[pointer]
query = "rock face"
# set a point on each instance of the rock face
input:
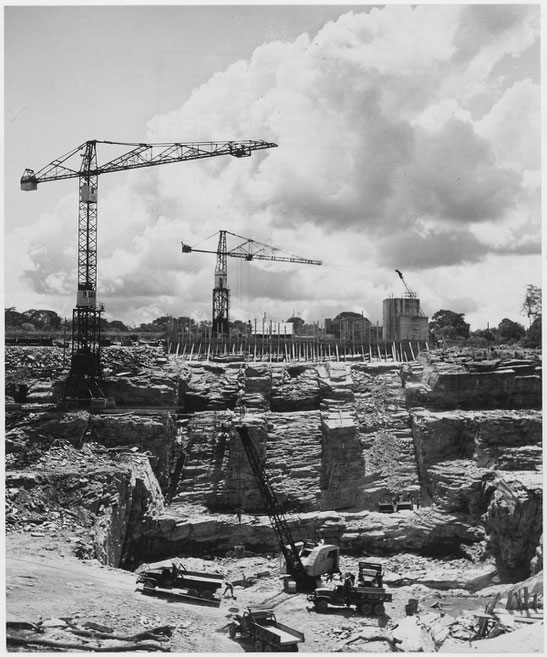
(502, 388)
(513, 522)
(425, 531)
(174, 533)
(154, 434)
(335, 438)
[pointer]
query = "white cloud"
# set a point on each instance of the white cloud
(382, 162)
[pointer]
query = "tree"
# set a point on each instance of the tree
(447, 324)
(12, 318)
(297, 324)
(116, 325)
(43, 319)
(509, 331)
(532, 303)
(533, 336)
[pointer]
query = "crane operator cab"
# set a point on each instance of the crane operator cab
(317, 558)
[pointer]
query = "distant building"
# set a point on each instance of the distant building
(404, 320)
(260, 327)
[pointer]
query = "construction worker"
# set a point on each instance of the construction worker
(229, 588)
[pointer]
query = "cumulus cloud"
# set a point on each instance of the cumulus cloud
(383, 155)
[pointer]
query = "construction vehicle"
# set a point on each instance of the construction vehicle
(196, 584)
(85, 377)
(304, 561)
(368, 597)
(267, 633)
(249, 250)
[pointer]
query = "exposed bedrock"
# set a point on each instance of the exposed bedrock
(427, 531)
(154, 434)
(176, 533)
(458, 453)
(514, 523)
(336, 439)
(499, 389)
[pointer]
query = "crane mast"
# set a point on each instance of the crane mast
(249, 250)
(221, 293)
(85, 377)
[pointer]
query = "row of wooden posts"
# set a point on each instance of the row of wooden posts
(296, 350)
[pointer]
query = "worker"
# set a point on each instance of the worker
(351, 578)
(229, 588)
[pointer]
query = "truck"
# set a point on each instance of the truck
(197, 584)
(261, 626)
(368, 597)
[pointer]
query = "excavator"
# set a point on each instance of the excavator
(304, 561)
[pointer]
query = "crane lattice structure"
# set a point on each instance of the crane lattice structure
(249, 250)
(279, 523)
(85, 376)
(410, 292)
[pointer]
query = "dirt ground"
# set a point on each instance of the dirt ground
(44, 580)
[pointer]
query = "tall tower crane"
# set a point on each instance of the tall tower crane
(85, 369)
(249, 250)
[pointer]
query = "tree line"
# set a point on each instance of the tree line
(445, 325)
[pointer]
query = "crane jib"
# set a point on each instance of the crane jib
(142, 156)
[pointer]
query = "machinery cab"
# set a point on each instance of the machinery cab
(317, 558)
(370, 574)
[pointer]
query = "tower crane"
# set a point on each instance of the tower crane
(249, 250)
(85, 375)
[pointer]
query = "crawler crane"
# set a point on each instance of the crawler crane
(249, 250)
(305, 563)
(85, 377)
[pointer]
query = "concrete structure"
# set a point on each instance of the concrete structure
(404, 320)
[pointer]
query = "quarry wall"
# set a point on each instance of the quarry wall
(337, 439)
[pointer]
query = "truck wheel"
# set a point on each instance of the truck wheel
(365, 609)
(193, 593)
(268, 648)
(322, 606)
(206, 595)
(232, 630)
(379, 609)
(258, 646)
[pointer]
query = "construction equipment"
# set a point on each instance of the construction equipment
(197, 584)
(410, 292)
(85, 377)
(249, 250)
(267, 633)
(304, 561)
(367, 597)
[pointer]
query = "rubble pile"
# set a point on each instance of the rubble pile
(67, 634)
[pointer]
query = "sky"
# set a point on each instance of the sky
(408, 138)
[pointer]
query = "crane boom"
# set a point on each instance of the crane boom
(279, 523)
(249, 250)
(143, 155)
(81, 163)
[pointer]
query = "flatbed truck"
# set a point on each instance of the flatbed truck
(268, 635)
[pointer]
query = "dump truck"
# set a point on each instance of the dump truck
(197, 584)
(368, 597)
(261, 626)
